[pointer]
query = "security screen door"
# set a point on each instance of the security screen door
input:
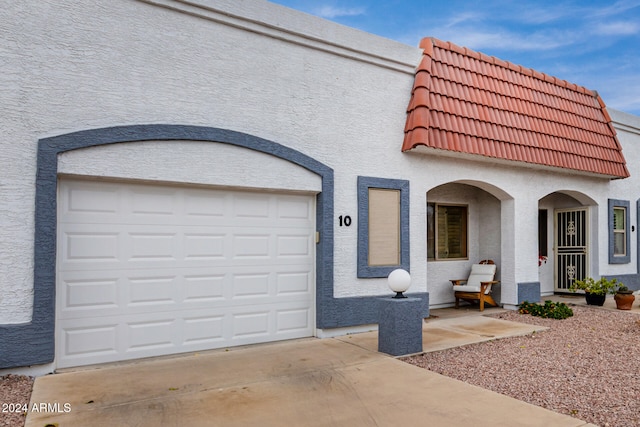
(571, 243)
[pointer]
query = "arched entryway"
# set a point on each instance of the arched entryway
(566, 240)
(464, 226)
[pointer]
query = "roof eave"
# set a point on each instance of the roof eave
(422, 148)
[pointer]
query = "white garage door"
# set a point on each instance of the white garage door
(147, 270)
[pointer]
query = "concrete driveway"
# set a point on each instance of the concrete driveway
(309, 382)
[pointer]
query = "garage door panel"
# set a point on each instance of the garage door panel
(250, 325)
(294, 211)
(80, 342)
(252, 206)
(88, 201)
(90, 246)
(144, 270)
(293, 320)
(251, 245)
(251, 285)
(153, 201)
(109, 292)
(89, 294)
(153, 291)
(153, 246)
(149, 335)
(202, 205)
(204, 331)
(294, 245)
(150, 245)
(203, 246)
(294, 283)
(203, 288)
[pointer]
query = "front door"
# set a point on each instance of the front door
(571, 244)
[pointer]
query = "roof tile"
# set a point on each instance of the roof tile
(469, 102)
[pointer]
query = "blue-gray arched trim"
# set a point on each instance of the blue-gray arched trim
(33, 343)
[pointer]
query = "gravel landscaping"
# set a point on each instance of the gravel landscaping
(15, 392)
(586, 366)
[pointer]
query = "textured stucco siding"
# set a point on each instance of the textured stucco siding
(628, 131)
(333, 94)
(192, 162)
(72, 66)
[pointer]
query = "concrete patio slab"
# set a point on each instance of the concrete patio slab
(308, 382)
(454, 329)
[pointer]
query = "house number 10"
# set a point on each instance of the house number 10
(344, 220)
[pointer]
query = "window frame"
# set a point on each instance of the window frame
(613, 257)
(436, 205)
(364, 184)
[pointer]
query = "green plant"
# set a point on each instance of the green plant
(622, 289)
(601, 286)
(550, 309)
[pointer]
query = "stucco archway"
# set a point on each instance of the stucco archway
(559, 213)
(484, 205)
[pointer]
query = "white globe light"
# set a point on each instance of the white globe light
(399, 281)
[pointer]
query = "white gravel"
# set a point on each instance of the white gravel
(585, 366)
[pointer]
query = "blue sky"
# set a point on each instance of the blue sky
(595, 44)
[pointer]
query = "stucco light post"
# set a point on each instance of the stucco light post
(400, 319)
(399, 281)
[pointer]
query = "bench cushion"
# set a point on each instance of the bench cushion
(479, 273)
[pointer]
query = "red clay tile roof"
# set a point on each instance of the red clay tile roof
(468, 102)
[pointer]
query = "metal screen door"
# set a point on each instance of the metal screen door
(571, 244)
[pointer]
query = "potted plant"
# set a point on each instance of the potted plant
(624, 297)
(595, 291)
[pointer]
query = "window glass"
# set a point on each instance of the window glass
(447, 233)
(431, 231)
(619, 231)
(619, 236)
(542, 233)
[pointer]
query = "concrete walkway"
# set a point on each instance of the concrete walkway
(310, 382)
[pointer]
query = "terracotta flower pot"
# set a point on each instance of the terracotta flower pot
(624, 301)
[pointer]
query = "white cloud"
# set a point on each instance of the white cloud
(462, 17)
(616, 8)
(503, 39)
(330, 12)
(622, 93)
(620, 28)
(542, 15)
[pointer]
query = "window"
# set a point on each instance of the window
(619, 232)
(447, 231)
(383, 226)
(619, 238)
(542, 234)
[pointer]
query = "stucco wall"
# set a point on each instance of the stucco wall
(80, 66)
(628, 130)
(332, 93)
(192, 162)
